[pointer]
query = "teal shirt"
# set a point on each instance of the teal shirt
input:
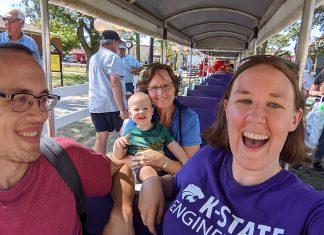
(155, 139)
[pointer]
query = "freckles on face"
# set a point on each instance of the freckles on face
(260, 114)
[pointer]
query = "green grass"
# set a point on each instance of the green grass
(84, 133)
(69, 78)
(72, 75)
(77, 68)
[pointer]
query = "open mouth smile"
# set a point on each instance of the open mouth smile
(254, 140)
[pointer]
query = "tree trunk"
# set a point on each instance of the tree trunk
(262, 48)
(89, 48)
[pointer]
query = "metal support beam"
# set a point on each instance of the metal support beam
(229, 37)
(237, 61)
(304, 37)
(244, 53)
(151, 50)
(200, 9)
(223, 23)
(190, 63)
(47, 60)
(164, 48)
(180, 57)
(221, 32)
(255, 36)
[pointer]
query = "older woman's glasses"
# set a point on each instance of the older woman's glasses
(21, 102)
(290, 64)
(164, 88)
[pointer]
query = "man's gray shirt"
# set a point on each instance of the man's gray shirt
(103, 64)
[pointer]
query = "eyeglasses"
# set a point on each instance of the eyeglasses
(21, 102)
(11, 20)
(290, 64)
(164, 88)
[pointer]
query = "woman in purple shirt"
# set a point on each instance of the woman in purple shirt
(236, 184)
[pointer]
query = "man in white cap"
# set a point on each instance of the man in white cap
(131, 67)
(14, 21)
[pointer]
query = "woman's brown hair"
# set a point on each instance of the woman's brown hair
(151, 70)
(294, 150)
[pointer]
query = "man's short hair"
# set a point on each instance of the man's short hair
(15, 13)
(108, 36)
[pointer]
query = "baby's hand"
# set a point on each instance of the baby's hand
(123, 141)
(120, 147)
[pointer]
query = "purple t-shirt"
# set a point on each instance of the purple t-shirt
(209, 201)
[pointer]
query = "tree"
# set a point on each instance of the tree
(316, 48)
(319, 17)
(279, 41)
(74, 27)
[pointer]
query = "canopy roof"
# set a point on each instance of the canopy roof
(219, 25)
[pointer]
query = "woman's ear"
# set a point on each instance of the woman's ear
(225, 105)
(296, 119)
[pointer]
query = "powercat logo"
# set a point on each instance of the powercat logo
(192, 192)
(210, 216)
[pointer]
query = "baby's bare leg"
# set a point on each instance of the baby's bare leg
(147, 172)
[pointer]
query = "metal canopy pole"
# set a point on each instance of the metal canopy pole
(190, 63)
(151, 50)
(180, 57)
(255, 36)
(304, 38)
(244, 54)
(164, 51)
(47, 60)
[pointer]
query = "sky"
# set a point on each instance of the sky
(6, 4)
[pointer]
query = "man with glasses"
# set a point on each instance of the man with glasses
(14, 22)
(33, 197)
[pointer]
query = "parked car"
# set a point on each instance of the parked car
(68, 59)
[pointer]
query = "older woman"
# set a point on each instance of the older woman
(160, 82)
(236, 185)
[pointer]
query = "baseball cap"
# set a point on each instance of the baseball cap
(122, 45)
(110, 35)
(15, 13)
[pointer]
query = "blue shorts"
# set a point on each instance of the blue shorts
(106, 121)
(129, 87)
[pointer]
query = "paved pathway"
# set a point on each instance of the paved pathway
(71, 104)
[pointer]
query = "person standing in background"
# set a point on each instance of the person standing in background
(107, 103)
(317, 89)
(131, 67)
(14, 21)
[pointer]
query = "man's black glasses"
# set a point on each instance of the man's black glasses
(21, 102)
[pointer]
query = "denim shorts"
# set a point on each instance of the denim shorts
(107, 121)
